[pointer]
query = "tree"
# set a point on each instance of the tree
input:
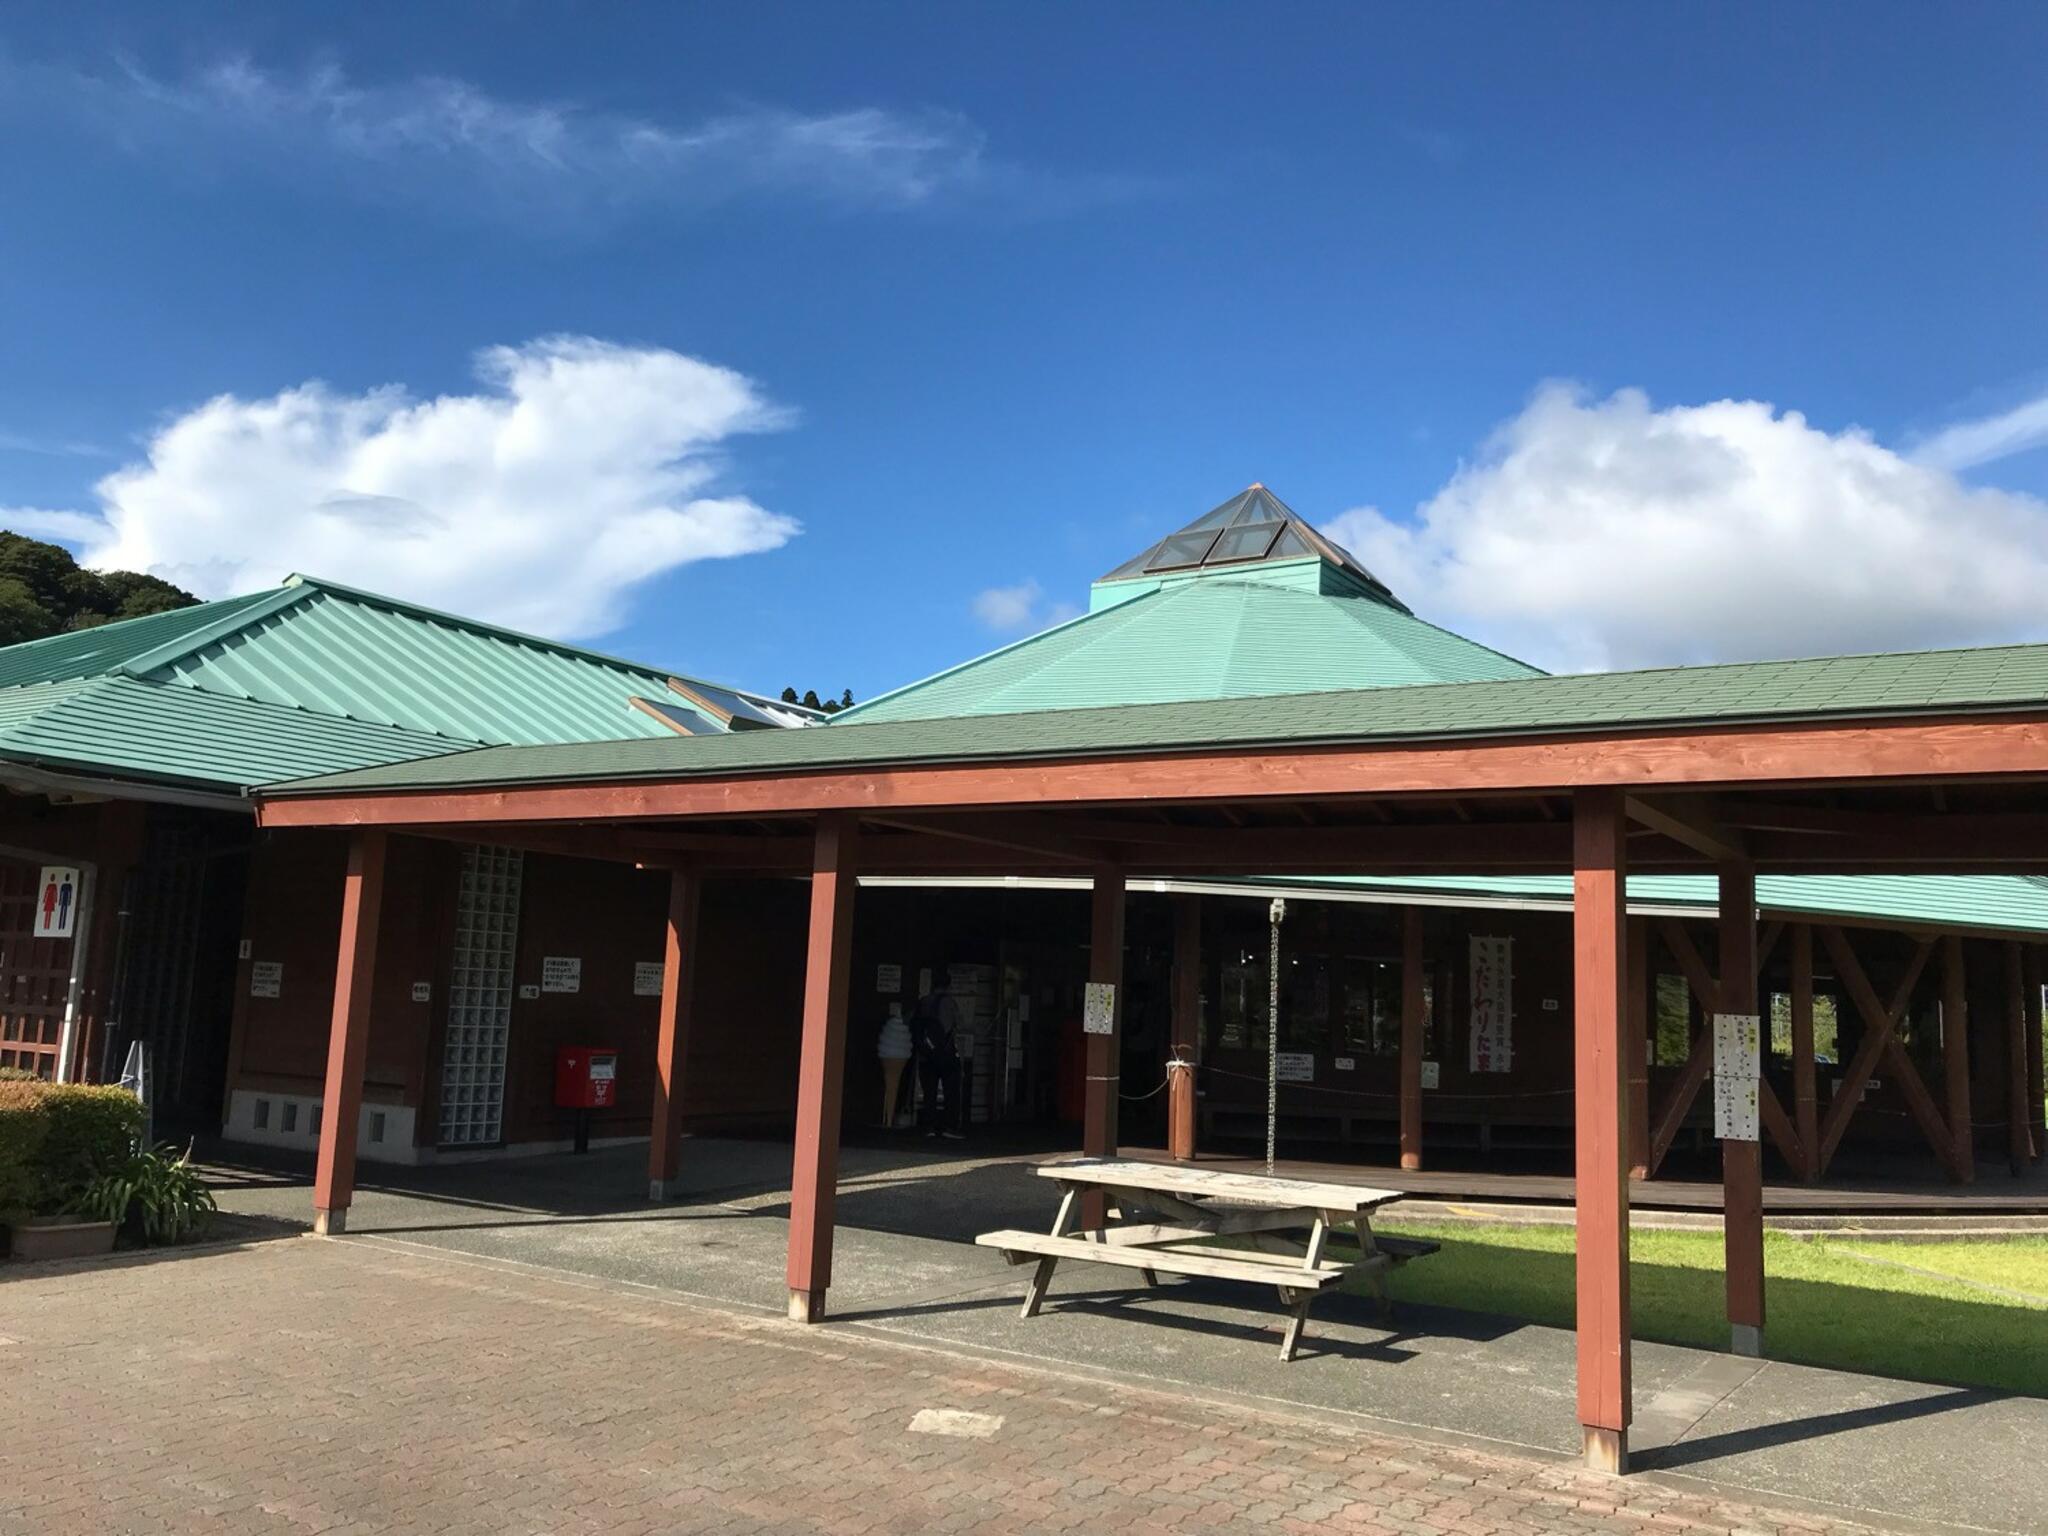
(809, 699)
(43, 591)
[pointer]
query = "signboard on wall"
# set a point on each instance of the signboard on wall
(889, 978)
(647, 978)
(1098, 1008)
(1738, 1066)
(1432, 1074)
(561, 973)
(1294, 1066)
(1493, 1003)
(266, 978)
(57, 901)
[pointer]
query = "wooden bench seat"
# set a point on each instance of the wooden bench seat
(1208, 1263)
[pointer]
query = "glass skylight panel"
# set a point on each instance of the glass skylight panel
(1183, 549)
(1249, 542)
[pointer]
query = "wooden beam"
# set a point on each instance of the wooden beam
(2037, 1048)
(1742, 1176)
(1688, 820)
(1878, 1023)
(1412, 1008)
(1600, 1071)
(1955, 1056)
(1805, 1102)
(1859, 752)
(1641, 981)
(672, 1032)
(2018, 1113)
(1103, 1051)
(1044, 840)
(348, 1036)
(821, 1065)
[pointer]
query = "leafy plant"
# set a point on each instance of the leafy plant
(164, 1191)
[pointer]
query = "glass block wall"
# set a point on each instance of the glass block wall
(480, 998)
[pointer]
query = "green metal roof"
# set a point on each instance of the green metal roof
(2013, 903)
(1216, 638)
(1827, 688)
(126, 727)
(344, 679)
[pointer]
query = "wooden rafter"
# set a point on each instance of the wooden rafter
(1689, 822)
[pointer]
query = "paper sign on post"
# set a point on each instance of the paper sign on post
(1098, 1008)
(1738, 1067)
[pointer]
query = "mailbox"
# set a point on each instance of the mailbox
(586, 1077)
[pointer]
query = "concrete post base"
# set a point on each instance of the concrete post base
(1606, 1449)
(662, 1189)
(806, 1306)
(1746, 1339)
(330, 1223)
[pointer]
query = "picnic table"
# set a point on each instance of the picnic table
(1213, 1224)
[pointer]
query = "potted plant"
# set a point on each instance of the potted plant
(56, 1139)
(156, 1196)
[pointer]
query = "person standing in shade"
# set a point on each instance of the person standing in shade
(894, 1051)
(933, 1028)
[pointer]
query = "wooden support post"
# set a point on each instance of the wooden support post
(1640, 983)
(1742, 1176)
(348, 1038)
(2037, 1091)
(821, 1068)
(1600, 1070)
(1955, 1058)
(2019, 1114)
(672, 1032)
(1186, 1045)
(1105, 965)
(1805, 1100)
(1411, 1037)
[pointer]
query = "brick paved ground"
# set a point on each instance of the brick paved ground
(303, 1385)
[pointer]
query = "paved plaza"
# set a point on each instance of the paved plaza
(531, 1347)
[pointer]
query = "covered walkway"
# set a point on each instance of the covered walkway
(1928, 763)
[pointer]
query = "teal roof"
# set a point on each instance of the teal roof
(1908, 684)
(2012, 903)
(1251, 530)
(1216, 638)
(342, 678)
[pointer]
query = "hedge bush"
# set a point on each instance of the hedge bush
(56, 1138)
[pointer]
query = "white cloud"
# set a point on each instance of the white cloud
(1967, 444)
(579, 470)
(453, 142)
(1011, 610)
(1596, 533)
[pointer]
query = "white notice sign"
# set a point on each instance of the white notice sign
(889, 978)
(56, 902)
(1493, 1003)
(1098, 1008)
(1738, 1064)
(561, 973)
(1432, 1074)
(647, 978)
(423, 991)
(1294, 1067)
(266, 978)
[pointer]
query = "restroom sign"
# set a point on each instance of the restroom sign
(57, 902)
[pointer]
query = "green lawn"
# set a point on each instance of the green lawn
(1828, 1304)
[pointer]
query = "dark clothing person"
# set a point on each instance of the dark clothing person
(932, 1029)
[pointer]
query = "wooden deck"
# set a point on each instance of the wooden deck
(1995, 1191)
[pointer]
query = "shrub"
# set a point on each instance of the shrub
(22, 1128)
(56, 1138)
(18, 1075)
(160, 1190)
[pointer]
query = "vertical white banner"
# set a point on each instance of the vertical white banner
(1493, 1003)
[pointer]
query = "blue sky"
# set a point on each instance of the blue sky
(1613, 335)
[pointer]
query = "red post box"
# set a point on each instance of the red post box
(586, 1077)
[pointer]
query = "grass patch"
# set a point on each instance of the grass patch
(1828, 1304)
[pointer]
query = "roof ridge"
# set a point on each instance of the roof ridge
(261, 606)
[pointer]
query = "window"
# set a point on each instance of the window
(1671, 1028)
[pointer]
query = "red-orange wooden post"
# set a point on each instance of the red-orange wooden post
(1742, 1162)
(1600, 1071)
(821, 1065)
(1805, 1096)
(2019, 1114)
(1411, 1037)
(348, 1038)
(1639, 983)
(1955, 1057)
(672, 1032)
(1105, 966)
(1187, 1027)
